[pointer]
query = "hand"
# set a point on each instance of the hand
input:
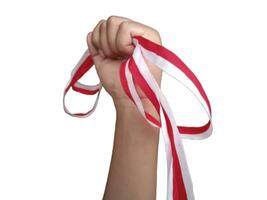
(110, 44)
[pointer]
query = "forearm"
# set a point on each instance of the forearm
(133, 168)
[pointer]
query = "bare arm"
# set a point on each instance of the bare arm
(133, 168)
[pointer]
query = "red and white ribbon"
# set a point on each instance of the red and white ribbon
(134, 71)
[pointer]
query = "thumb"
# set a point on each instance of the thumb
(97, 58)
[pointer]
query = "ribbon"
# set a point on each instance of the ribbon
(135, 71)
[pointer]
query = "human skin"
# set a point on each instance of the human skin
(133, 167)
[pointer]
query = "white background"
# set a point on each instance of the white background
(46, 154)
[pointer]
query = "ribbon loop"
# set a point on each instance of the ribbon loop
(84, 64)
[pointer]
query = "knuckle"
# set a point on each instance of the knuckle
(112, 20)
(98, 26)
(124, 25)
(102, 26)
(101, 21)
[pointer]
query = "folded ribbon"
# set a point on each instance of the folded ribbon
(135, 68)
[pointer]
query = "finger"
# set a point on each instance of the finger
(104, 41)
(113, 23)
(91, 47)
(96, 35)
(97, 58)
(129, 29)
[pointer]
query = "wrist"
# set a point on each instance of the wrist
(124, 106)
(129, 119)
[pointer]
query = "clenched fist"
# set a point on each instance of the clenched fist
(110, 43)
